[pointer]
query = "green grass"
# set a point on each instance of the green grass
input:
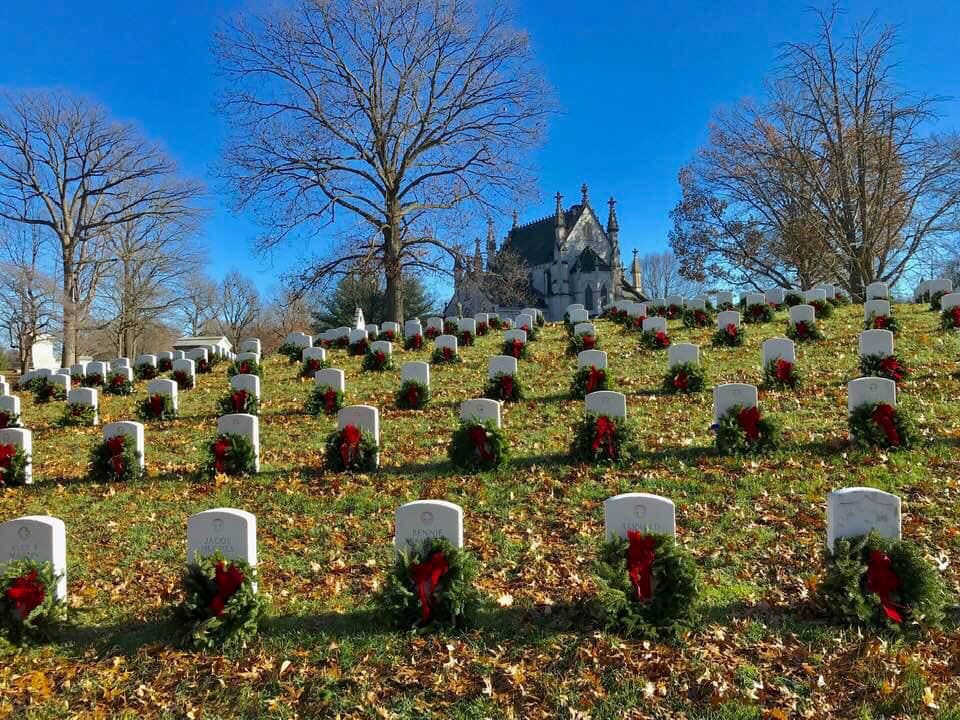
(756, 527)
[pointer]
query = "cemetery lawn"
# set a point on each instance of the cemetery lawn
(756, 527)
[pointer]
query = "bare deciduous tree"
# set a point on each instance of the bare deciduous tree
(396, 111)
(199, 302)
(65, 165)
(239, 306)
(661, 276)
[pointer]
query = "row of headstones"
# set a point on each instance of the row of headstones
(233, 533)
(928, 288)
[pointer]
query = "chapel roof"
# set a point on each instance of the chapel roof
(534, 240)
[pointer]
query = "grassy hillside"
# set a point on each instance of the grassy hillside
(755, 526)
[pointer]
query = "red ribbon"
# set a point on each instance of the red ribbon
(893, 368)
(115, 445)
(389, 335)
(506, 386)
(640, 557)
(731, 330)
(681, 381)
(6, 457)
(882, 580)
(117, 380)
(413, 396)
(426, 576)
(883, 416)
(26, 593)
(801, 329)
(416, 342)
(638, 321)
(516, 348)
(478, 436)
(329, 400)
(220, 449)
(749, 419)
(955, 315)
(379, 359)
(228, 581)
(349, 444)
(605, 435)
(4, 419)
(589, 341)
(880, 322)
(784, 371)
(594, 378)
(313, 364)
(448, 353)
(245, 367)
(156, 405)
(239, 400)
(662, 339)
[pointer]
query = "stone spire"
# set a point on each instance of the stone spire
(636, 272)
(516, 219)
(559, 219)
(491, 244)
(584, 195)
(612, 225)
(477, 258)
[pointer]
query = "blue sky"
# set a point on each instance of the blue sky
(637, 82)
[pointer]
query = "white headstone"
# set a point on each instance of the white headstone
(391, 327)
(480, 410)
(592, 358)
(803, 313)
(775, 296)
(728, 317)
(372, 330)
(231, 532)
(10, 404)
(162, 386)
(778, 349)
(606, 402)
(501, 365)
(584, 328)
(255, 357)
(358, 335)
(383, 346)
(330, 377)
(417, 371)
(858, 510)
(365, 417)
(436, 323)
(949, 302)
(730, 395)
(62, 380)
(756, 299)
(242, 424)
(251, 345)
(676, 300)
(98, 368)
(481, 318)
(302, 340)
(467, 325)
(412, 328)
(250, 383)
(178, 355)
(198, 354)
(426, 520)
(696, 304)
(185, 365)
(654, 325)
(132, 430)
(20, 438)
(639, 511)
(148, 360)
(873, 308)
(876, 342)
(944, 285)
(40, 538)
(574, 306)
(829, 288)
(316, 353)
(878, 290)
(815, 295)
(511, 335)
(724, 297)
(681, 353)
(85, 396)
(78, 370)
(870, 390)
(576, 316)
(446, 341)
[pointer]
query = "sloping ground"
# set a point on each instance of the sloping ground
(755, 526)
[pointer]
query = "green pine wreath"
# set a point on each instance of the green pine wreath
(839, 299)
(654, 340)
(32, 384)
(729, 336)
(589, 379)
(44, 391)
(674, 311)
(115, 460)
(685, 377)
(615, 446)
(791, 299)
(697, 318)
(822, 309)
(656, 310)
(732, 437)
(847, 593)
(412, 395)
(377, 361)
(721, 307)
(670, 608)
(445, 356)
(9, 419)
(950, 319)
(158, 406)
(310, 365)
(184, 380)
(29, 609)
(533, 333)
(884, 366)
(229, 454)
(413, 342)
(145, 371)
(220, 607)
(465, 338)
(293, 353)
(882, 322)
(13, 466)
(118, 384)
(244, 367)
(478, 446)
(782, 375)
(361, 457)
(803, 332)
(92, 380)
(935, 300)
(164, 365)
(452, 601)
(78, 415)
(578, 343)
(504, 387)
(515, 348)
(758, 313)
(867, 433)
(324, 400)
(238, 401)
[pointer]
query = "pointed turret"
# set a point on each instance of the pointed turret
(584, 195)
(477, 258)
(558, 219)
(613, 232)
(612, 224)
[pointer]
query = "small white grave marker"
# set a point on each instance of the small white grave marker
(242, 424)
(876, 342)
(416, 371)
(606, 402)
(162, 386)
(731, 395)
(480, 410)
(131, 430)
(501, 365)
(592, 358)
(858, 510)
(870, 390)
(330, 377)
(681, 353)
(778, 349)
(23, 439)
(40, 538)
(639, 511)
(425, 520)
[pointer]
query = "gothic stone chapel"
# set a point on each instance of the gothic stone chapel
(570, 257)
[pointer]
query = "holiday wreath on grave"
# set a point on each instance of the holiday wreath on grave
(359, 347)
(674, 311)
(13, 465)
(156, 406)
(310, 365)
(183, 379)
(44, 391)
(145, 371)
(758, 313)
(78, 415)
(950, 319)
(696, 318)
(351, 448)
(687, 377)
(873, 580)
(29, 610)
(449, 327)
(728, 336)
(822, 308)
(533, 332)
(589, 379)
(293, 353)
(885, 366)
(432, 332)
(791, 299)
(477, 445)
(445, 355)
(465, 338)
(9, 419)
(412, 395)
(432, 583)
(656, 310)
(781, 374)
(802, 331)
(324, 399)
(229, 454)
(388, 335)
(239, 401)
(482, 329)
(515, 348)
(742, 430)
(92, 380)
(247, 366)
(115, 460)
(220, 606)
(413, 342)
(878, 321)
(839, 299)
(164, 365)
(654, 339)
(377, 361)
(602, 438)
(578, 343)
(205, 366)
(646, 585)
(881, 425)
(504, 387)
(118, 384)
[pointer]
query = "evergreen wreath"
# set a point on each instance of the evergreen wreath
(781, 374)
(656, 310)
(412, 395)
(183, 379)
(935, 300)
(245, 367)
(589, 379)
(32, 384)
(884, 366)
(515, 348)
(115, 460)
(758, 313)
(449, 327)
(578, 343)
(324, 399)
(804, 332)
(432, 332)
(29, 610)
(822, 308)
(157, 406)
(239, 401)
(431, 583)
(293, 353)
(504, 387)
(674, 311)
(742, 431)
(950, 319)
(879, 425)
(388, 335)
(533, 333)
(791, 299)
(729, 336)
(654, 339)
(445, 355)
(359, 347)
(495, 323)
(601, 438)
(310, 365)
(721, 307)
(145, 371)
(164, 365)
(635, 323)
(13, 466)
(478, 446)
(883, 582)
(118, 384)
(229, 454)
(78, 415)
(882, 322)
(45, 391)
(220, 607)
(377, 361)
(696, 318)
(9, 419)
(340, 342)
(685, 377)
(413, 342)
(839, 299)
(465, 338)
(351, 449)
(482, 329)
(204, 366)
(647, 585)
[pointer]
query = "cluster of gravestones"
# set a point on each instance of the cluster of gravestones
(233, 533)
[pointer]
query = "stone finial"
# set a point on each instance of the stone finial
(559, 211)
(612, 224)
(516, 218)
(584, 195)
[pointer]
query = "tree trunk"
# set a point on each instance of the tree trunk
(393, 271)
(69, 313)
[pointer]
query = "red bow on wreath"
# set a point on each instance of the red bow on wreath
(516, 347)
(882, 580)
(749, 419)
(605, 436)
(115, 446)
(784, 371)
(640, 557)
(228, 581)
(589, 341)
(426, 576)
(6, 455)
(883, 415)
(413, 395)
(379, 358)
(4, 419)
(478, 436)
(681, 381)
(594, 378)
(893, 367)
(239, 400)
(880, 322)
(955, 315)
(244, 368)
(662, 339)
(416, 342)
(329, 400)
(638, 321)
(26, 593)
(220, 449)
(313, 364)
(349, 444)
(506, 386)
(731, 330)
(156, 405)
(117, 380)
(801, 329)
(448, 353)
